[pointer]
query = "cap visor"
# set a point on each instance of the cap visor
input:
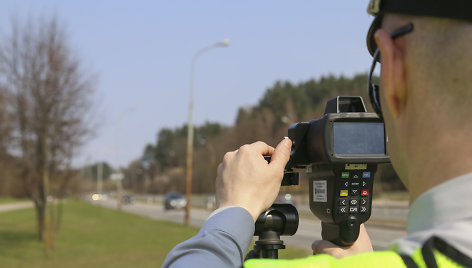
(371, 44)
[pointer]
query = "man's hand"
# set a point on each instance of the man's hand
(362, 245)
(245, 178)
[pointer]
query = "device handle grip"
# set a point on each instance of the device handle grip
(343, 234)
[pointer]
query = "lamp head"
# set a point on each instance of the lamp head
(224, 42)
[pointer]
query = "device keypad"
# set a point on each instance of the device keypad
(354, 202)
(354, 192)
(343, 201)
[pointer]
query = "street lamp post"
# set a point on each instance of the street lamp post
(100, 179)
(100, 170)
(188, 186)
(119, 176)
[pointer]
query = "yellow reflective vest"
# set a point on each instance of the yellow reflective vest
(434, 253)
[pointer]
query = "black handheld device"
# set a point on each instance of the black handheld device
(339, 153)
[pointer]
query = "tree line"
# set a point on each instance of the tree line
(161, 168)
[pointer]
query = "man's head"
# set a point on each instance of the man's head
(426, 83)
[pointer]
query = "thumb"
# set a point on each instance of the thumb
(281, 153)
(326, 247)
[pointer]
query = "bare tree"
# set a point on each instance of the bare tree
(50, 97)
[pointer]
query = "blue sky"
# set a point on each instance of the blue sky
(141, 51)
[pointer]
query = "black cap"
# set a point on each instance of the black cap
(453, 9)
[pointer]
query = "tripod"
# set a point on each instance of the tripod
(279, 219)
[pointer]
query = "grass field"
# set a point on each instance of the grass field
(94, 237)
(6, 200)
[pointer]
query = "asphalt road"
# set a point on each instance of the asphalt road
(308, 230)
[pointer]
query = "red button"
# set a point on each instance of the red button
(365, 192)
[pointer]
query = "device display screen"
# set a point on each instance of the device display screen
(359, 138)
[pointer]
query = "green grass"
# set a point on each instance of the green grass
(6, 200)
(94, 237)
(90, 236)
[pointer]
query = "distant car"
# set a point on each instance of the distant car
(97, 197)
(174, 201)
(127, 199)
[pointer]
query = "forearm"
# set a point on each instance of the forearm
(222, 242)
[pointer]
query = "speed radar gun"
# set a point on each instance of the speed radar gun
(339, 154)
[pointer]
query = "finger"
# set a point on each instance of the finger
(325, 247)
(363, 232)
(259, 147)
(281, 153)
(219, 170)
(227, 157)
(364, 239)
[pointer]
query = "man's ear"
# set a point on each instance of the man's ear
(393, 72)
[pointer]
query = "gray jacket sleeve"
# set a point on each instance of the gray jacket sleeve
(222, 242)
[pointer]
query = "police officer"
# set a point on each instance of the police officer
(425, 98)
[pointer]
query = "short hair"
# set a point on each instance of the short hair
(440, 57)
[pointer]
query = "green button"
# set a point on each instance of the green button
(345, 175)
